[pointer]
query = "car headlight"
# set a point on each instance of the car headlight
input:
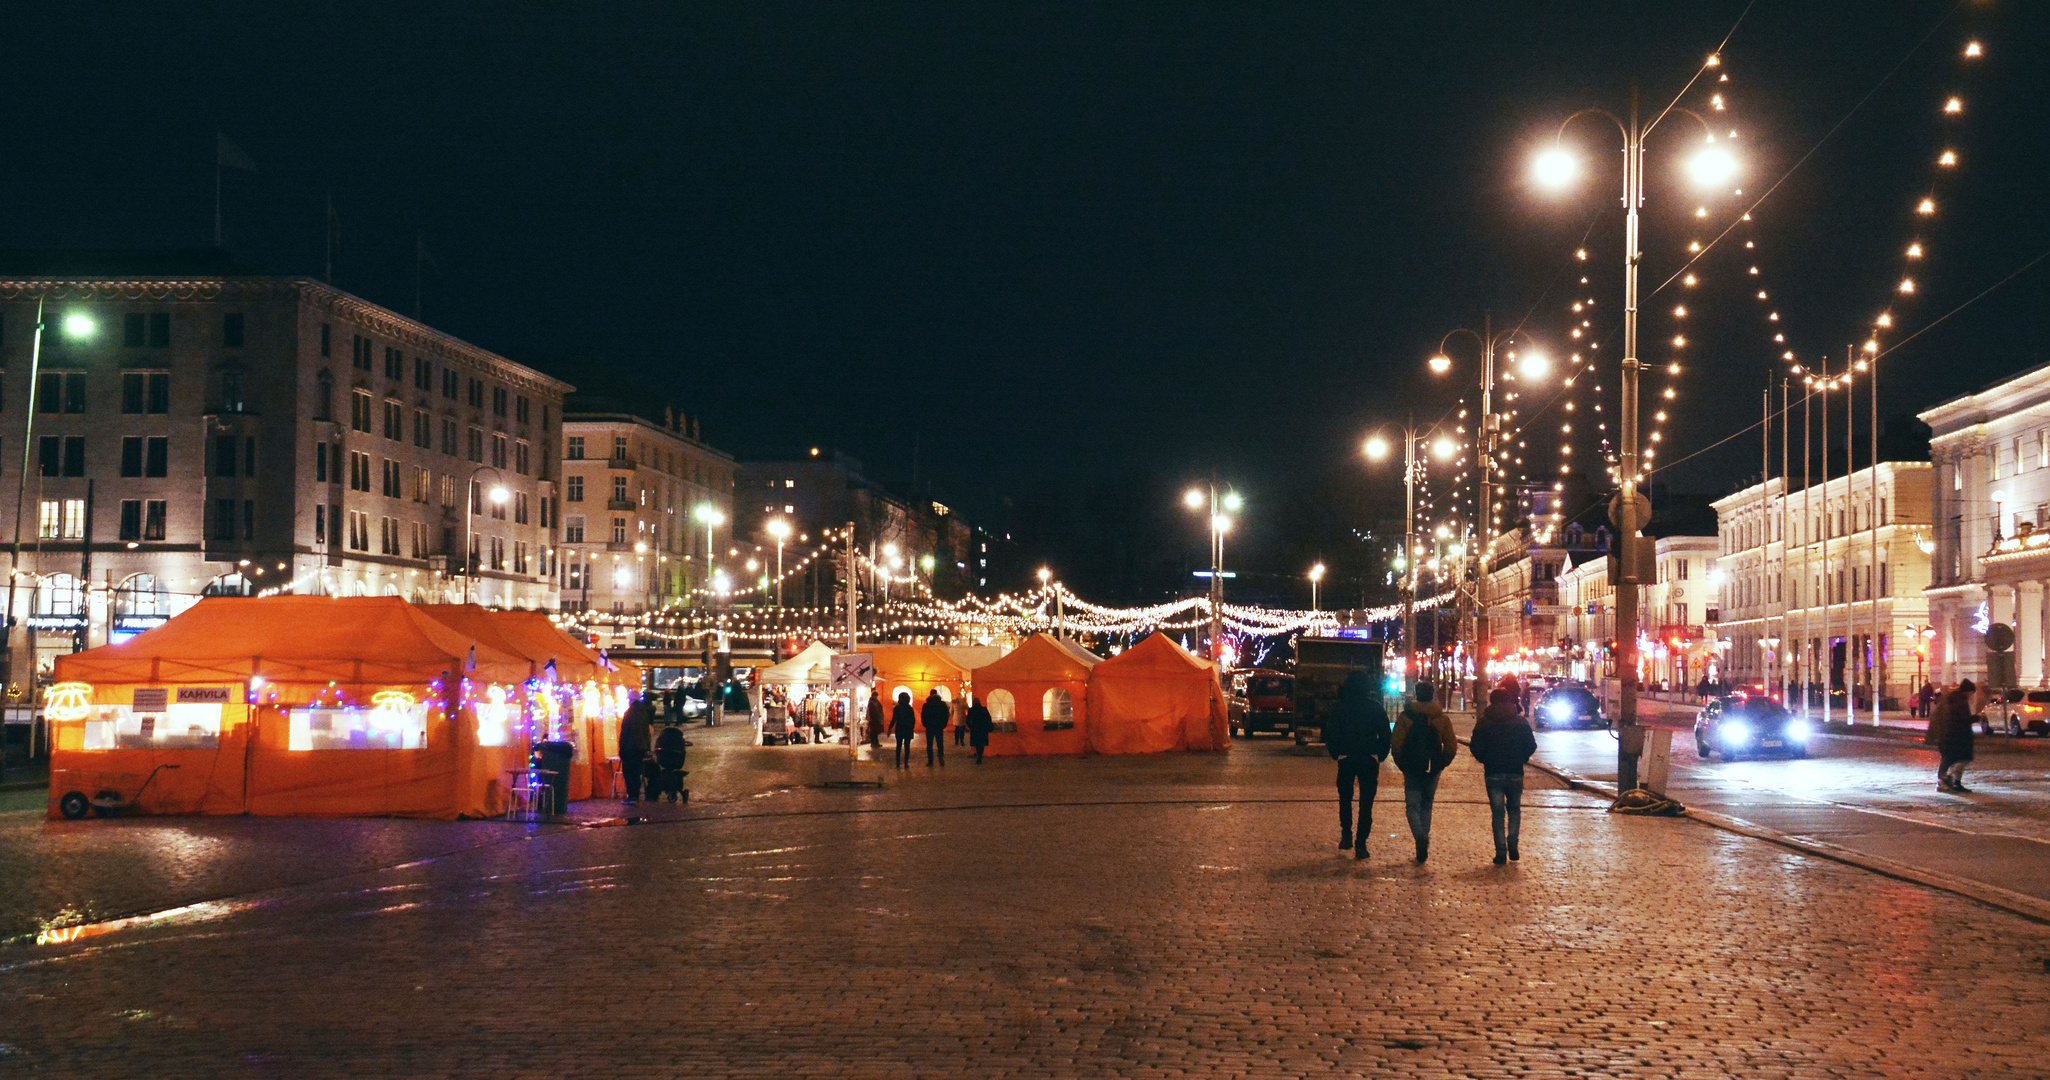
(1800, 730)
(1559, 710)
(1736, 733)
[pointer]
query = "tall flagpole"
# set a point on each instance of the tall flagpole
(1786, 537)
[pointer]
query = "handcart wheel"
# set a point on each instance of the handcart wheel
(73, 805)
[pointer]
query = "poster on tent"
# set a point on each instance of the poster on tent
(854, 671)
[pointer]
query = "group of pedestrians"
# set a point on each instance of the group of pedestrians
(932, 716)
(650, 762)
(1420, 741)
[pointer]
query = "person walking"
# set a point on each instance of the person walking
(1356, 736)
(873, 721)
(1503, 742)
(1950, 731)
(934, 714)
(904, 725)
(979, 725)
(960, 724)
(636, 742)
(1924, 698)
(1422, 745)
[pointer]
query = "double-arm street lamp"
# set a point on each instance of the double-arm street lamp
(1532, 365)
(473, 504)
(1557, 168)
(1221, 505)
(711, 517)
(1377, 449)
(780, 529)
(1316, 575)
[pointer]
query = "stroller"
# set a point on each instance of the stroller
(669, 772)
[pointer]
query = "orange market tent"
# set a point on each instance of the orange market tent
(916, 669)
(561, 668)
(1044, 680)
(293, 705)
(1153, 697)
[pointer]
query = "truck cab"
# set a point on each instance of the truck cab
(1262, 700)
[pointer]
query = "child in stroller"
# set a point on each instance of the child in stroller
(669, 771)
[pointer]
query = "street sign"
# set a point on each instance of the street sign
(853, 671)
(1206, 573)
(2000, 637)
(1629, 519)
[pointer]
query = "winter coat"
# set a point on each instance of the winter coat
(934, 714)
(669, 751)
(1428, 715)
(636, 731)
(903, 720)
(1502, 741)
(980, 724)
(1358, 725)
(1950, 726)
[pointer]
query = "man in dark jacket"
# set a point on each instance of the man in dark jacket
(934, 715)
(1356, 735)
(1502, 742)
(1950, 731)
(979, 724)
(1422, 745)
(874, 722)
(904, 725)
(636, 739)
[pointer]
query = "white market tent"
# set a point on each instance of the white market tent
(812, 666)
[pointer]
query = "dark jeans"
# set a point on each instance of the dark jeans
(978, 753)
(1950, 767)
(1418, 792)
(903, 750)
(630, 771)
(1362, 771)
(1505, 803)
(961, 735)
(935, 743)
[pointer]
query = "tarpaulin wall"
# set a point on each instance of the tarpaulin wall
(1027, 674)
(1156, 697)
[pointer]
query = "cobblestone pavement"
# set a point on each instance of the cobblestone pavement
(1102, 917)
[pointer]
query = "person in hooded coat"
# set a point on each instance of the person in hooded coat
(1503, 742)
(934, 714)
(874, 723)
(904, 725)
(979, 724)
(636, 740)
(1950, 731)
(1356, 736)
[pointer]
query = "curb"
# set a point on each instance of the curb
(2028, 907)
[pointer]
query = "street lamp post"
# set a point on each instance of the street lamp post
(711, 518)
(1484, 467)
(1316, 575)
(1221, 507)
(1377, 448)
(77, 326)
(471, 506)
(780, 529)
(1629, 512)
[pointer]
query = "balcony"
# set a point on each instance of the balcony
(621, 462)
(626, 505)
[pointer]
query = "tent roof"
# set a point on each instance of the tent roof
(971, 656)
(915, 663)
(532, 635)
(1156, 657)
(1043, 658)
(799, 668)
(294, 639)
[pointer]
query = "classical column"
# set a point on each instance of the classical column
(2028, 634)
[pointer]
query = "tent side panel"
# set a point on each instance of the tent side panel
(350, 783)
(1031, 738)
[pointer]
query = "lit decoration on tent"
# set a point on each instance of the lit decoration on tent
(68, 701)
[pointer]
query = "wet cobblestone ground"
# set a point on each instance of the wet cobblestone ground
(1101, 917)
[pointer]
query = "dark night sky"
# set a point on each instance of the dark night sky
(1090, 251)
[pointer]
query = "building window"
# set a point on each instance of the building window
(520, 459)
(619, 448)
(394, 364)
(423, 429)
(60, 392)
(393, 484)
(576, 489)
(359, 471)
(320, 524)
(574, 451)
(231, 330)
(394, 421)
(131, 517)
(573, 529)
(519, 556)
(520, 409)
(448, 437)
(154, 513)
(420, 546)
(498, 508)
(324, 396)
(359, 353)
(498, 458)
(359, 411)
(519, 508)
(619, 530)
(131, 458)
(423, 374)
(225, 455)
(498, 400)
(327, 339)
(143, 392)
(223, 519)
(423, 485)
(359, 530)
(619, 489)
(476, 394)
(498, 553)
(156, 454)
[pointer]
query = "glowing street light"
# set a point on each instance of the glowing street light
(780, 529)
(1443, 449)
(711, 517)
(79, 326)
(1555, 168)
(1376, 448)
(1222, 505)
(1712, 167)
(1316, 576)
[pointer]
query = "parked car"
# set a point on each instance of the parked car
(2031, 715)
(1262, 700)
(1745, 724)
(1567, 705)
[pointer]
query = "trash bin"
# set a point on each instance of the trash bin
(555, 756)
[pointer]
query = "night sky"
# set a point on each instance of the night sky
(1062, 260)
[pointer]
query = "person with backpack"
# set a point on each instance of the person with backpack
(1423, 744)
(934, 715)
(1503, 742)
(904, 725)
(1356, 736)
